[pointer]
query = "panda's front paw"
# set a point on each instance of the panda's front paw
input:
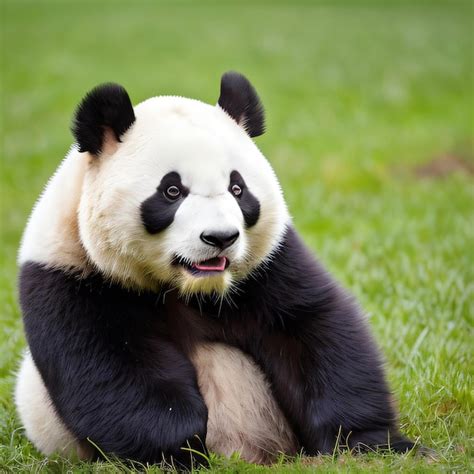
(186, 443)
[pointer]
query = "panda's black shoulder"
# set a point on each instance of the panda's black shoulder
(290, 285)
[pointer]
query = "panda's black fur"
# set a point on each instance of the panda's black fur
(107, 105)
(140, 415)
(240, 100)
(302, 329)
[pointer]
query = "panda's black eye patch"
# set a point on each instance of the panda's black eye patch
(248, 203)
(157, 212)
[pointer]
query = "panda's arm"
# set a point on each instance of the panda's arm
(318, 354)
(112, 375)
(330, 385)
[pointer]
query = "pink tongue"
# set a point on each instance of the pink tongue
(216, 264)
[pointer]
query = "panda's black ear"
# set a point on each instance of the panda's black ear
(105, 108)
(240, 100)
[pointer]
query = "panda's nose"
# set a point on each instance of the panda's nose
(220, 239)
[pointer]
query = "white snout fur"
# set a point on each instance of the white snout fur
(200, 214)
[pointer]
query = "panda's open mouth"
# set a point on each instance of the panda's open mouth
(205, 267)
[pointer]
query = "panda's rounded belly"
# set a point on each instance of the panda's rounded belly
(243, 415)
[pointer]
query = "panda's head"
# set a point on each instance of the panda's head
(175, 190)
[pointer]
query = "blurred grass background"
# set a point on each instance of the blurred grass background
(370, 129)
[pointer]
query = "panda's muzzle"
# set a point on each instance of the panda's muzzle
(219, 240)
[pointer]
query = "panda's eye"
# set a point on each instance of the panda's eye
(172, 192)
(236, 190)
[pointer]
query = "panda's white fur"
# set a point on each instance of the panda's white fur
(88, 217)
(243, 415)
(52, 233)
(203, 144)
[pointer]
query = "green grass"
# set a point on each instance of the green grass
(358, 96)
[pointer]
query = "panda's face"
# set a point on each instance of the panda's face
(186, 198)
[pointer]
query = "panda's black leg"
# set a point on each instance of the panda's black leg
(113, 376)
(332, 396)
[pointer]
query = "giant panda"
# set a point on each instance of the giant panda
(171, 308)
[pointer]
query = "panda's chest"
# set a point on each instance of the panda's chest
(187, 326)
(198, 322)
